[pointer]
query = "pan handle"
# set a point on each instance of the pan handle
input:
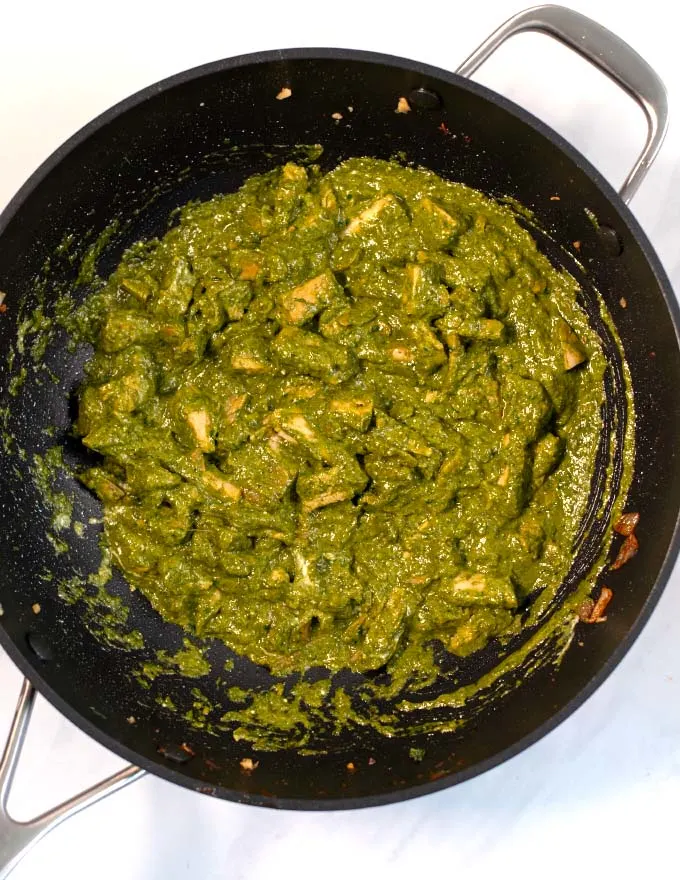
(609, 54)
(17, 838)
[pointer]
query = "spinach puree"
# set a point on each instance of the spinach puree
(342, 417)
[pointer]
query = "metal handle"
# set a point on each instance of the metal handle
(609, 54)
(17, 838)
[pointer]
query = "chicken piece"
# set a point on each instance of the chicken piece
(573, 352)
(249, 271)
(547, 455)
(176, 290)
(233, 406)
(313, 355)
(264, 473)
(233, 296)
(246, 364)
(324, 499)
(306, 300)
(126, 394)
(140, 289)
(368, 215)
(220, 486)
(379, 632)
(355, 410)
(200, 424)
(424, 296)
(470, 588)
(101, 483)
(453, 325)
(245, 352)
(436, 227)
(145, 475)
(336, 476)
(123, 328)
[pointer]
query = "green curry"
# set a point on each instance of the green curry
(342, 417)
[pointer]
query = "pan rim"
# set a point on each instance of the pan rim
(165, 771)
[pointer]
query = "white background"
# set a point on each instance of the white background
(599, 796)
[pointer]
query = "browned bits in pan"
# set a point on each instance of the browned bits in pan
(593, 612)
(603, 600)
(187, 748)
(284, 93)
(585, 610)
(626, 551)
(554, 198)
(577, 245)
(248, 765)
(351, 767)
(623, 302)
(403, 106)
(625, 525)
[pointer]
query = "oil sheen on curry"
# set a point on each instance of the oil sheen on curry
(343, 418)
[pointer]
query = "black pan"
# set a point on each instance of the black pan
(203, 132)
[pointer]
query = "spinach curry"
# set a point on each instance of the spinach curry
(342, 418)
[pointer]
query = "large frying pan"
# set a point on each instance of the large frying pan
(166, 145)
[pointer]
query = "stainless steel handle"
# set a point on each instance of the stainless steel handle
(609, 54)
(17, 838)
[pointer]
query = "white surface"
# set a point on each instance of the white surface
(600, 795)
